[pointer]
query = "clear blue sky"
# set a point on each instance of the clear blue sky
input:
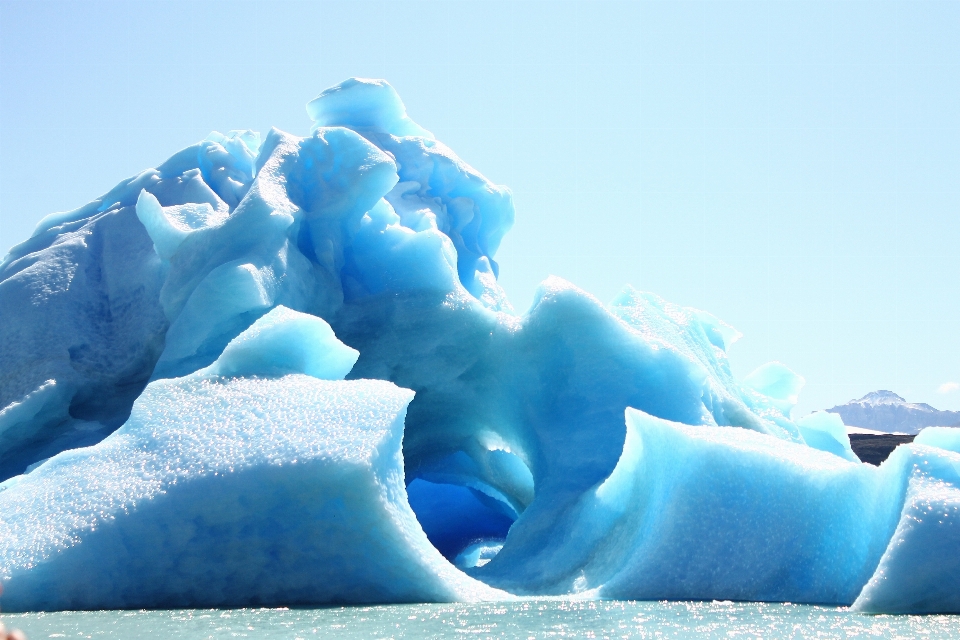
(791, 167)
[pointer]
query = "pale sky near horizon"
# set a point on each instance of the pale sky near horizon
(791, 167)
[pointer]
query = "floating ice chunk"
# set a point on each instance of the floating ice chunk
(943, 437)
(920, 570)
(826, 431)
(285, 341)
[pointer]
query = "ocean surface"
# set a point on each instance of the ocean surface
(516, 619)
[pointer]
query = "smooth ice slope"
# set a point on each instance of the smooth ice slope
(699, 513)
(943, 437)
(920, 570)
(231, 491)
(709, 513)
(730, 514)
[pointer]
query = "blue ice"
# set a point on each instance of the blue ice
(200, 497)
(943, 437)
(280, 370)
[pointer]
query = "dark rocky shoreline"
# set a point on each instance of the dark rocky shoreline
(873, 448)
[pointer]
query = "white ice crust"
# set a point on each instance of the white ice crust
(269, 487)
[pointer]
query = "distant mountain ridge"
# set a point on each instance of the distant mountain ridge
(886, 411)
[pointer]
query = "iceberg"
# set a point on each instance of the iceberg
(281, 370)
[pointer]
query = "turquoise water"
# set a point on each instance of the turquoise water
(521, 619)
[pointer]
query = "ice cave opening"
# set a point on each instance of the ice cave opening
(467, 501)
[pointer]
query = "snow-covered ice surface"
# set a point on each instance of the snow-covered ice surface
(176, 430)
(267, 488)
